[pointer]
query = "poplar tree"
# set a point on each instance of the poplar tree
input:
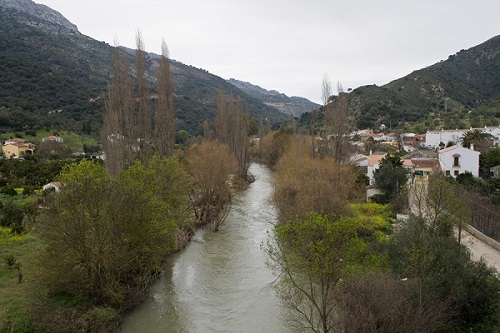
(231, 128)
(339, 139)
(336, 129)
(130, 129)
(117, 123)
(142, 96)
(164, 133)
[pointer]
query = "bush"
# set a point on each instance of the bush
(9, 190)
(99, 319)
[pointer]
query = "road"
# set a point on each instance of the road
(478, 244)
(480, 250)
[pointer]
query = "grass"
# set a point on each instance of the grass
(15, 298)
(73, 140)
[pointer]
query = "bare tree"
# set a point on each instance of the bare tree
(210, 165)
(164, 133)
(231, 128)
(130, 129)
(314, 120)
(383, 303)
(336, 127)
(304, 184)
(143, 113)
(436, 202)
(339, 137)
(117, 125)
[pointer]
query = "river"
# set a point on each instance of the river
(219, 282)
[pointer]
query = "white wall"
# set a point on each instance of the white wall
(468, 160)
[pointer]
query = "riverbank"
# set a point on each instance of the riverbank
(220, 281)
(21, 305)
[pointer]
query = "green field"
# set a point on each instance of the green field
(15, 297)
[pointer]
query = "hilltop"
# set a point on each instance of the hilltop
(451, 91)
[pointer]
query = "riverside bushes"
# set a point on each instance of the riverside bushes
(105, 238)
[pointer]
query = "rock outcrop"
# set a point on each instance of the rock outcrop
(39, 11)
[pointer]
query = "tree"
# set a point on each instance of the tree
(480, 140)
(12, 217)
(164, 135)
(304, 184)
(116, 133)
(274, 144)
(391, 176)
(81, 254)
(130, 130)
(209, 166)
(106, 236)
(468, 290)
(311, 256)
(182, 137)
(437, 203)
(489, 159)
(231, 128)
(142, 114)
(336, 132)
(380, 302)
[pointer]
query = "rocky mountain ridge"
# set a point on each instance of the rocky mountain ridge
(293, 106)
(39, 11)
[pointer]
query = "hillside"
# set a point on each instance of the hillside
(55, 77)
(453, 90)
(293, 106)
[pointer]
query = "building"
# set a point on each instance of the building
(55, 186)
(455, 160)
(13, 141)
(413, 140)
(52, 138)
(434, 138)
(15, 148)
(373, 164)
(422, 164)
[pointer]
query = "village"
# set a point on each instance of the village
(434, 152)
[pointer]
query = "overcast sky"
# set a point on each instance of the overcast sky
(290, 45)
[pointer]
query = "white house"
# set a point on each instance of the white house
(455, 160)
(434, 138)
(52, 138)
(56, 186)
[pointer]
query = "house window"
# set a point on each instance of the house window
(456, 160)
(455, 172)
(447, 172)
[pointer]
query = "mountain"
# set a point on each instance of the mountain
(43, 12)
(293, 106)
(52, 76)
(451, 93)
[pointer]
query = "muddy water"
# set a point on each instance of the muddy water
(220, 282)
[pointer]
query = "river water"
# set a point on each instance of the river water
(220, 282)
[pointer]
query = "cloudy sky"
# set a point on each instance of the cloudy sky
(290, 45)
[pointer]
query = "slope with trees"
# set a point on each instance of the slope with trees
(55, 77)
